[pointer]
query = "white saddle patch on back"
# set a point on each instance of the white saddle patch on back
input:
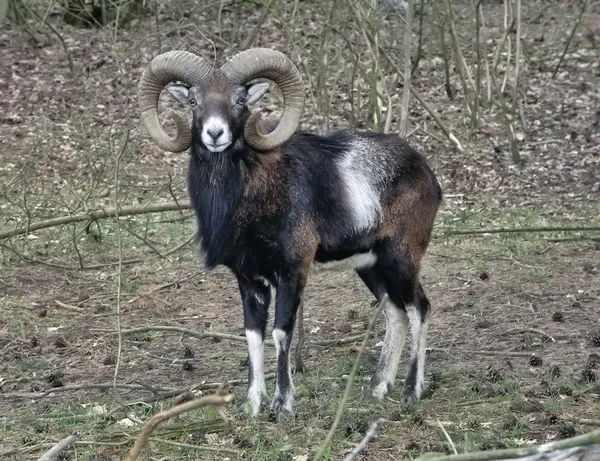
(361, 194)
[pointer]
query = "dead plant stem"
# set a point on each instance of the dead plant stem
(340, 411)
(407, 45)
(58, 448)
(506, 230)
(511, 453)
(120, 250)
(211, 400)
(96, 215)
(562, 56)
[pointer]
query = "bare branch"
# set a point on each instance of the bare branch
(98, 214)
(236, 338)
(56, 390)
(585, 3)
(506, 230)
(591, 438)
(340, 411)
(530, 330)
(407, 45)
(211, 400)
(56, 449)
(370, 435)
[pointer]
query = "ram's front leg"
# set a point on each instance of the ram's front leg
(256, 296)
(289, 297)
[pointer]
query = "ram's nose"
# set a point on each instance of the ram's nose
(215, 133)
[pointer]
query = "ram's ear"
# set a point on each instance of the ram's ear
(179, 92)
(256, 91)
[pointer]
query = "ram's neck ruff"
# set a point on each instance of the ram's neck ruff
(216, 182)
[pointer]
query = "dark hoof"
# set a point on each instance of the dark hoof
(281, 409)
(409, 398)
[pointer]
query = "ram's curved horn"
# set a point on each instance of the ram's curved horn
(164, 68)
(275, 66)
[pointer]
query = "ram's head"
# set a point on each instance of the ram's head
(219, 99)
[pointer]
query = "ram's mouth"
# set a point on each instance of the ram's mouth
(218, 147)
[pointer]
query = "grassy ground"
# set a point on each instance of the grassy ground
(514, 333)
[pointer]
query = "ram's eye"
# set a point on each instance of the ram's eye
(192, 102)
(241, 101)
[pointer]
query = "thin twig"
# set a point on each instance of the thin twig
(421, 100)
(529, 330)
(513, 453)
(340, 411)
(252, 37)
(98, 214)
(407, 45)
(68, 306)
(78, 387)
(29, 259)
(166, 285)
(370, 435)
(56, 449)
(476, 352)
(573, 239)
(506, 230)
(230, 337)
(507, 31)
(585, 3)
(120, 266)
(196, 387)
(447, 436)
(211, 400)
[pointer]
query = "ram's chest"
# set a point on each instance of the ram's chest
(252, 242)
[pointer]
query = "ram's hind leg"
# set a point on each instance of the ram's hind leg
(401, 278)
(419, 319)
(396, 325)
(300, 367)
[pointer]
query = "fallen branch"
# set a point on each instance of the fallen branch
(239, 339)
(96, 215)
(370, 435)
(212, 400)
(69, 307)
(56, 449)
(340, 411)
(573, 239)
(185, 331)
(196, 387)
(76, 387)
(529, 330)
(448, 438)
(29, 259)
(575, 443)
(474, 352)
(507, 230)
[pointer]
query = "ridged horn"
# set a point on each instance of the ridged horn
(165, 68)
(273, 65)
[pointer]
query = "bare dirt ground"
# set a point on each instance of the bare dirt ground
(515, 333)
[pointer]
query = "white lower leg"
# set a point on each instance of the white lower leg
(419, 344)
(257, 389)
(421, 348)
(284, 397)
(396, 323)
